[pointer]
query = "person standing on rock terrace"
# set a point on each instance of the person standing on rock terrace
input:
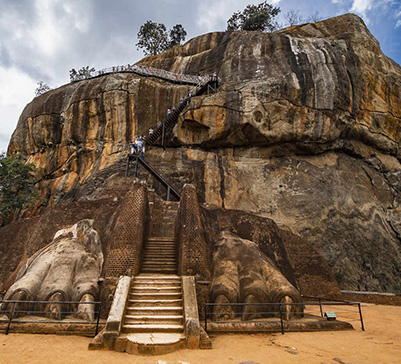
(168, 112)
(133, 148)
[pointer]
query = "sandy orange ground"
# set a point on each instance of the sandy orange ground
(380, 343)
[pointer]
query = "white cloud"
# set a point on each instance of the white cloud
(16, 91)
(361, 6)
(398, 24)
(215, 13)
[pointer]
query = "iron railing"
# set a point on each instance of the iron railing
(276, 310)
(145, 71)
(11, 312)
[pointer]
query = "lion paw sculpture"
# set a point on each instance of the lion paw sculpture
(67, 269)
(243, 274)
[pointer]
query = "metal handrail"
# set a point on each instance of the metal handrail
(280, 305)
(146, 71)
(13, 311)
(169, 188)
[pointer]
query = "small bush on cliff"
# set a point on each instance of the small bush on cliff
(82, 73)
(153, 37)
(16, 186)
(42, 88)
(255, 17)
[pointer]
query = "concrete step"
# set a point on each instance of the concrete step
(154, 310)
(152, 328)
(150, 343)
(153, 319)
(152, 303)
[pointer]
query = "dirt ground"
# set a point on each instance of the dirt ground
(380, 343)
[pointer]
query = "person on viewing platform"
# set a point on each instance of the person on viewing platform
(150, 131)
(133, 147)
(181, 100)
(168, 112)
(159, 124)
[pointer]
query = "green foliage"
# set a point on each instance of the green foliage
(177, 34)
(42, 88)
(153, 37)
(254, 17)
(16, 186)
(82, 73)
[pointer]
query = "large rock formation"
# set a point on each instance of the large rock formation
(305, 130)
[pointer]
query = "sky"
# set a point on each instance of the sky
(41, 40)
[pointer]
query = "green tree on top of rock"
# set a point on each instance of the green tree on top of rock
(82, 73)
(153, 37)
(17, 189)
(255, 17)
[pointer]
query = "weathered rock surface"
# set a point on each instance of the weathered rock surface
(305, 130)
(67, 269)
(242, 274)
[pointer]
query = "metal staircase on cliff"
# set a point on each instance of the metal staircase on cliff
(205, 85)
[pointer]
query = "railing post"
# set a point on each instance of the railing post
(281, 320)
(206, 317)
(136, 167)
(320, 305)
(360, 315)
(168, 193)
(11, 317)
(98, 318)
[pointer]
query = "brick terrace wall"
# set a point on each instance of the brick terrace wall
(189, 236)
(125, 251)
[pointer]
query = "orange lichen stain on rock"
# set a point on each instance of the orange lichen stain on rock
(93, 121)
(108, 158)
(220, 116)
(212, 180)
(60, 186)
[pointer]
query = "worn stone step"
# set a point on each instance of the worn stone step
(159, 270)
(160, 238)
(155, 295)
(158, 277)
(156, 284)
(153, 319)
(155, 310)
(160, 257)
(152, 328)
(158, 302)
(144, 289)
(156, 263)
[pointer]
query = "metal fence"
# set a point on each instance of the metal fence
(35, 313)
(146, 71)
(271, 312)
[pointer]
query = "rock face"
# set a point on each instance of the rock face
(305, 130)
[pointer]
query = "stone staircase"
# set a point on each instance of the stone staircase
(159, 256)
(154, 321)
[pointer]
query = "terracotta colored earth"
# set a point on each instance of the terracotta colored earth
(380, 343)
